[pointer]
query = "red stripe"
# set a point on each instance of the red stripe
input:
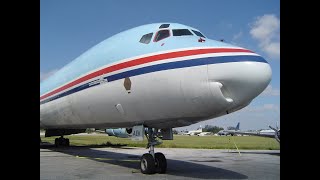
(143, 60)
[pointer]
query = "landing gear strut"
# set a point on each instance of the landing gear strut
(153, 162)
(61, 142)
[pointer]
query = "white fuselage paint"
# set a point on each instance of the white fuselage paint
(169, 98)
(173, 82)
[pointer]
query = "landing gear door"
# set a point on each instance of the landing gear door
(167, 134)
(138, 133)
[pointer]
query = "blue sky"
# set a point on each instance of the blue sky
(70, 27)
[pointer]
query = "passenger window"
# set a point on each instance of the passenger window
(162, 34)
(198, 33)
(181, 32)
(146, 38)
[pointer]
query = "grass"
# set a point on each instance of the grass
(200, 142)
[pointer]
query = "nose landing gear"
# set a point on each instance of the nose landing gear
(153, 162)
(61, 142)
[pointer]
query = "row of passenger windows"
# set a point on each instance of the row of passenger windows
(162, 34)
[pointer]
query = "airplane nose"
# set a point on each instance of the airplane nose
(240, 82)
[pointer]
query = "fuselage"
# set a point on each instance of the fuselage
(157, 75)
(267, 132)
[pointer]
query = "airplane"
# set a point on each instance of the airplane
(148, 80)
(270, 133)
(194, 132)
(204, 134)
(229, 132)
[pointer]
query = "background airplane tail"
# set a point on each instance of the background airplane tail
(238, 126)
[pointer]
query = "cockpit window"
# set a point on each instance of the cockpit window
(146, 38)
(162, 34)
(198, 33)
(164, 26)
(181, 32)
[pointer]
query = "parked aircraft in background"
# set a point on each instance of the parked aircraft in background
(204, 134)
(157, 76)
(229, 132)
(271, 133)
(193, 132)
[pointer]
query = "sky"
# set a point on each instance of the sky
(70, 27)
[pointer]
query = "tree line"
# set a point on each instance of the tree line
(213, 129)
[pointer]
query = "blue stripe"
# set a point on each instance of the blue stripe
(162, 67)
(183, 64)
(71, 91)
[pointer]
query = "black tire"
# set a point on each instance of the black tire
(147, 164)
(161, 163)
(56, 142)
(67, 142)
(63, 142)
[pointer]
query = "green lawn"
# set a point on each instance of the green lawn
(203, 142)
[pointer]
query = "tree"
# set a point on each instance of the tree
(174, 131)
(213, 129)
(231, 128)
(90, 130)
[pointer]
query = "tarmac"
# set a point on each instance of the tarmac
(116, 163)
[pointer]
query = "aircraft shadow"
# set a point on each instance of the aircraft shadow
(252, 152)
(175, 167)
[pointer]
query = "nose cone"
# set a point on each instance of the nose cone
(253, 78)
(241, 81)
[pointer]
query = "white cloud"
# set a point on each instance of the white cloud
(270, 91)
(263, 108)
(45, 75)
(237, 36)
(225, 25)
(272, 49)
(266, 29)
(270, 107)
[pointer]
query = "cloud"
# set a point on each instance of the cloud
(270, 91)
(225, 25)
(266, 29)
(237, 36)
(45, 75)
(263, 108)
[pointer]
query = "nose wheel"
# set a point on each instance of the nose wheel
(151, 162)
(58, 142)
(161, 163)
(147, 164)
